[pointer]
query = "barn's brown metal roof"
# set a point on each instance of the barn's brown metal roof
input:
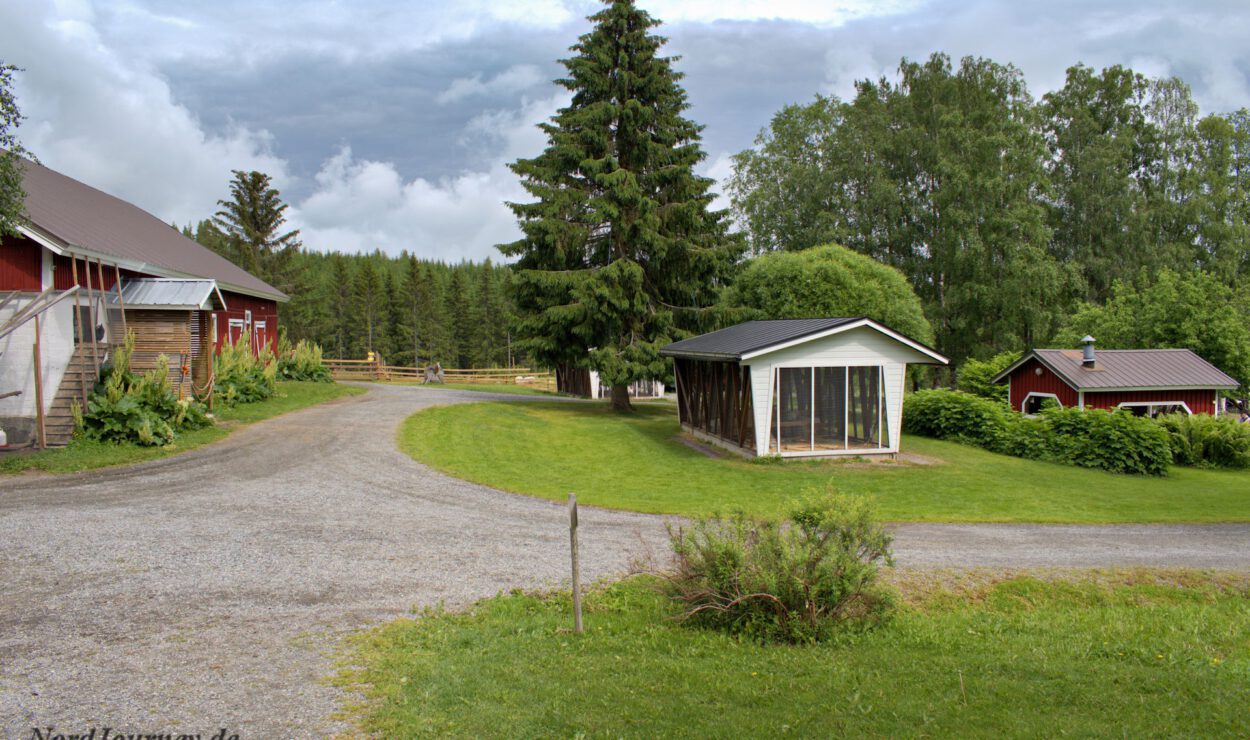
(1127, 369)
(84, 218)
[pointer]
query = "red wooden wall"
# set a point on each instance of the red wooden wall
(21, 264)
(1025, 380)
(1199, 402)
(237, 306)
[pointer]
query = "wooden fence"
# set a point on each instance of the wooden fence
(373, 370)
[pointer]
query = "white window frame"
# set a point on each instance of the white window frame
(247, 318)
(774, 419)
(1024, 404)
(1148, 404)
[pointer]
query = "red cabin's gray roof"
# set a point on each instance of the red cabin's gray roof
(81, 216)
(750, 338)
(1124, 369)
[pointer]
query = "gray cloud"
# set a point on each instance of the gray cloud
(389, 124)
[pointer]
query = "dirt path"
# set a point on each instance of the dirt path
(212, 590)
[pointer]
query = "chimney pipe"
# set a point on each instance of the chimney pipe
(1087, 358)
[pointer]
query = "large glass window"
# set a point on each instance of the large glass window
(828, 408)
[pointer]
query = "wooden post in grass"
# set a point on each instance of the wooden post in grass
(577, 572)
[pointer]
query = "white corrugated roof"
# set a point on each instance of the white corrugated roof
(168, 293)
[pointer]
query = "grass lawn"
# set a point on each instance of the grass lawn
(635, 462)
(88, 455)
(511, 388)
(1117, 654)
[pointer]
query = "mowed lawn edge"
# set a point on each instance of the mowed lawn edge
(84, 455)
(1132, 653)
(638, 462)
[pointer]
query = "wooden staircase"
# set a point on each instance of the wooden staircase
(59, 421)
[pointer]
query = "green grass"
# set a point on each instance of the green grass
(1019, 657)
(89, 455)
(635, 462)
(510, 388)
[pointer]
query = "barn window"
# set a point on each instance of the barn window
(1035, 402)
(1155, 408)
(828, 408)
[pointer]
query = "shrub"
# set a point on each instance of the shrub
(975, 376)
(301, 362)
(1114, 441)
(143, 409)
(954, 415)
(791, 581)
(1207, 441)
(1107, 440)
(242, 377)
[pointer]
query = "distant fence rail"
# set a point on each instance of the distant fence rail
(374, 370)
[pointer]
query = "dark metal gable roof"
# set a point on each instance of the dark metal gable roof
(734, 342)
(80, 216)
(1118, 369)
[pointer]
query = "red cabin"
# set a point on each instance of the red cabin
(1145, 381)
(86, 268)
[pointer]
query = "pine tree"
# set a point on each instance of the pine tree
(459, 319)
(621, 234)
(370, 305)
(344, 305)
(432, 324)
(487, 328)
(251, 222)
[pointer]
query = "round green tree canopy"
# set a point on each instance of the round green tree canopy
(828, 281)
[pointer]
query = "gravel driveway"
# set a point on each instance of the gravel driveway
(211, 590)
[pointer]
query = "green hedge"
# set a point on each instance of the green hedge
(1114, 441)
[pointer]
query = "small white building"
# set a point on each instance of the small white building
(797, 387)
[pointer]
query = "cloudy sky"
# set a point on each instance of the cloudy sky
(389, 124)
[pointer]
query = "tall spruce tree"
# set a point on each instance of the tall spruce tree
(251, 222)
(371, 306)
(621, 238)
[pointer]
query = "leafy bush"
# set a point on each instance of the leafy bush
(792, 581)
(1107, 440)
(242, 377)
(301, 362)
(954, 415)
(976, 376)
(143, 409)
(1207, 441)
(1114, 441)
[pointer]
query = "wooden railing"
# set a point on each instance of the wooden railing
(377, 371)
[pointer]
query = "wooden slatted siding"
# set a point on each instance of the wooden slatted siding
(21, 265)
(157, 333)
(715, 398)
(1199, 402)
(1025, 380)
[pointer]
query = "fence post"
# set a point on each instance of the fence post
(577, 574)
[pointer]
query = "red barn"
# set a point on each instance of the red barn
(1146, 381)
(74, 247)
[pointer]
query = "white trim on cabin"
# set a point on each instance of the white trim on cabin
(1150, 404)
(842, 328)
(1035, 394)
(1080, 400)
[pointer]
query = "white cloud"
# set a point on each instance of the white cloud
(817, 12)
(94, 115)
(362, 205)
(517, 77)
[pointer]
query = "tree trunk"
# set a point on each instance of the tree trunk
(620, 398)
